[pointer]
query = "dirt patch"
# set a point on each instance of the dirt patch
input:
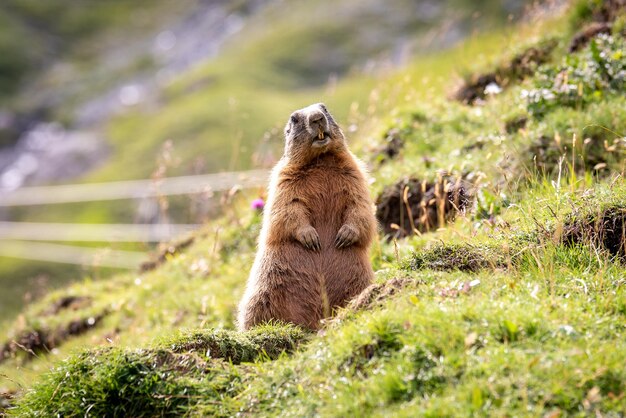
(605, 230)
(465, 257)
(393, 144)
(7, 399)
(413, 205)
(30, 343)
(515, 124)
(377, 293)
(166, 251)
(519, 67)
(583, 37)
(601, 15)
(608, 10)
(73, 303)
(594, 153)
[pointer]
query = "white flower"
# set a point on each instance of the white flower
(493, 89)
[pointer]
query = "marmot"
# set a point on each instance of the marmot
(318, 225)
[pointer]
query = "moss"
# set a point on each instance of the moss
(115, 382)
(268, 341)
(463, 257)
(195, 367)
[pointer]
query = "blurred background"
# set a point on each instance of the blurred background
(125, 124)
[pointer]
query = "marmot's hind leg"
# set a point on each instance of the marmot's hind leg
(284, 300)
(255, 311)
(349, 282)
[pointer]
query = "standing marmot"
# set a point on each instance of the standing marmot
(318, 225)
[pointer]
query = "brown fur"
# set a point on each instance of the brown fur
(318, 225)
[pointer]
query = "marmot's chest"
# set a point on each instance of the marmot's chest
(327, 193)
(324, 184)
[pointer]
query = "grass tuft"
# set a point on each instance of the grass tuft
(267, 341)
(195, 367)
(605, 230)
(463, 257)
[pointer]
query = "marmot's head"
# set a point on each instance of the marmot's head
(312, 131)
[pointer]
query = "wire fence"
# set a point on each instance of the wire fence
(133, 189)
(68, 254)
(35, 231)
(21, 239)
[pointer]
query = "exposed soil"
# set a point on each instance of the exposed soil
(515, 124)
(32, 342)
(169, 250)
(476, 145)
(605, 230)
(73, 303)
(603, 14)
(393, 144)
(583, 37)
(519, 67)
(415, 205)
(7, 397)
(608, 10)
(592, 154)
(378, 293)
(474, 88)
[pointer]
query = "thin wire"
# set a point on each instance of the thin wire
(36, 231)
(67, 254)
(133, 189)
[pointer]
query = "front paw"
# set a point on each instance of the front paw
(309, 238)
(346, 236)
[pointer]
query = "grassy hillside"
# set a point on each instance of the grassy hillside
(225, 113)
(499, 269)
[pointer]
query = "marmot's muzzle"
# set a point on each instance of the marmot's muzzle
(318, 128)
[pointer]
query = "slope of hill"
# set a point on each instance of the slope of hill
(499, 274)
(213, 78)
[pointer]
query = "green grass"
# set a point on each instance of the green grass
(169, 377)
(507, 311)
(535, 338)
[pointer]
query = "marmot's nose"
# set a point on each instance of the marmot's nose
(315, 117)
(317, 120)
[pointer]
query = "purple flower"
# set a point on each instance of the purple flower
(258, 204)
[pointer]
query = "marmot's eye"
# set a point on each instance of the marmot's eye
(294, 119)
